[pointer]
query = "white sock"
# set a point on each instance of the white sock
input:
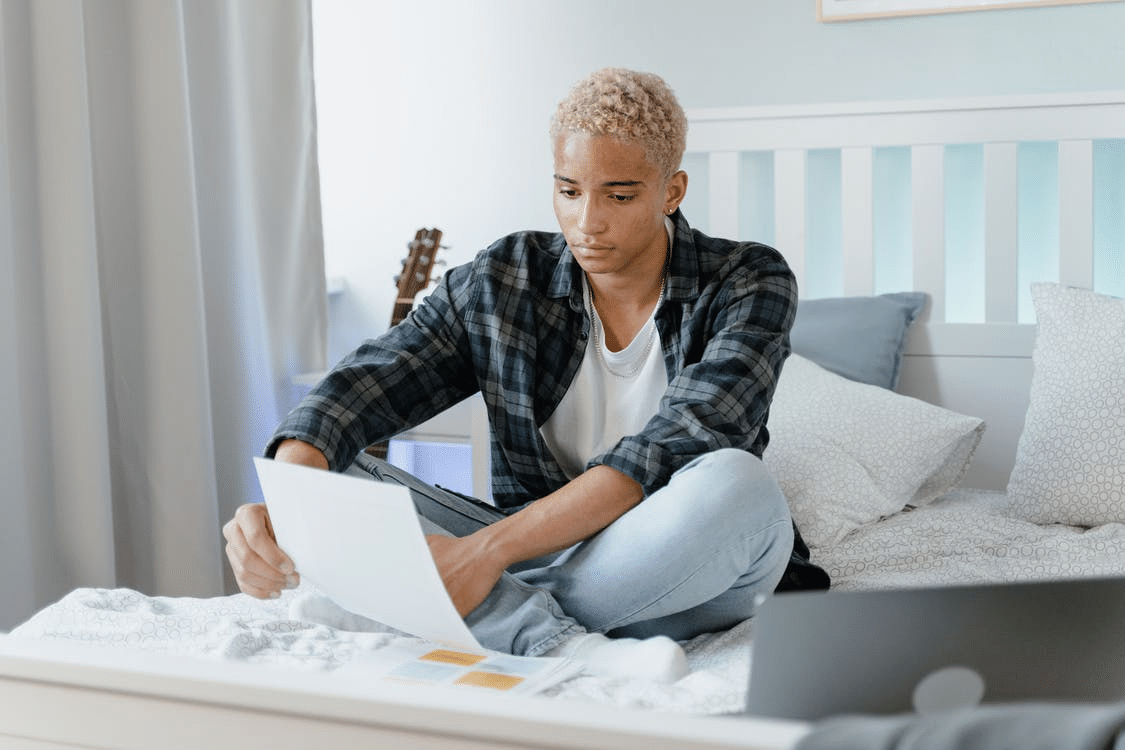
(658, 658)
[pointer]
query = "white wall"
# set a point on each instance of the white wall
(434, 112)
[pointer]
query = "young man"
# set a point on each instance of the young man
(627, 364)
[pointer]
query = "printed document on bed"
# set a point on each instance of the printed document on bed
(419, 663)
(360, 542)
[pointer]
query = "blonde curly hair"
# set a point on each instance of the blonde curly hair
(631, 106)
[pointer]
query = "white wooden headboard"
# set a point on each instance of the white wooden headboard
(968, 200)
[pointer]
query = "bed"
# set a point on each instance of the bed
(954, 412)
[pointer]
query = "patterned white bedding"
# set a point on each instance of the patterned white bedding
(968, 537)
(963, 537)
(243, 629)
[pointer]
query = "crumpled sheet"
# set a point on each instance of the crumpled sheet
(240, 628)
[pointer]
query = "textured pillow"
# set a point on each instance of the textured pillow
(1070, 460)
(860, 338)
(847, 454)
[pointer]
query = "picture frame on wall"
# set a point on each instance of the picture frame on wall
(854, 10)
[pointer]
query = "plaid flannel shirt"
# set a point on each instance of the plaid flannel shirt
(511, 324)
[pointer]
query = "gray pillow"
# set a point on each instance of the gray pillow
(860, 338)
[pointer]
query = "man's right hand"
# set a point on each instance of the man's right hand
(260, 567)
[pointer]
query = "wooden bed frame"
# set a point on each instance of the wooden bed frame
(67, 695)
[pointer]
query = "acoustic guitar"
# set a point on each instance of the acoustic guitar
(417, 272)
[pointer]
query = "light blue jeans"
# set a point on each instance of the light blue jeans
(691, 558)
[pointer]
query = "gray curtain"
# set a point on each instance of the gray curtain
(161, 281)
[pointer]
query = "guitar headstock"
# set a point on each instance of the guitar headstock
(417, 271)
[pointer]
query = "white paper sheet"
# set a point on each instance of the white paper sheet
(359, 541)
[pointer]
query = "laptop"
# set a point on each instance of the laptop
(819, 654)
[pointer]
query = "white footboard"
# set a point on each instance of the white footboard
(69, 695)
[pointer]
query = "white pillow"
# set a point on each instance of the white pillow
(847, 454)
(1070, 461)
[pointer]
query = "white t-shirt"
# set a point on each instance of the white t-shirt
(614, 394)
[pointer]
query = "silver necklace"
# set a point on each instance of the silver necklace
(595, 326)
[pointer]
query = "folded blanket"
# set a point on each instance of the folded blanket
(1022, 726)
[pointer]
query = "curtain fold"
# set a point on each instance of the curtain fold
(161, 240)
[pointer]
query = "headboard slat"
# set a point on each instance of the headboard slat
(789, 207)
(857, 213)
(1076, 212)
(723, 187)
(1001, 235)
(927, 182)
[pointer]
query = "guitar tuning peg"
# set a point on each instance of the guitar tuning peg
(397, 277)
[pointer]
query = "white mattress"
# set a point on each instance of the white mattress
(962, 538)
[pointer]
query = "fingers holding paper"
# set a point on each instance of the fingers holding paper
(467, 570)
(260, 567)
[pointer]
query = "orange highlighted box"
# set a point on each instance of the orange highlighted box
(489, 680)
(453, 657)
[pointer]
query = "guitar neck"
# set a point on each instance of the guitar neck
(417, 270)
(401, 309)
